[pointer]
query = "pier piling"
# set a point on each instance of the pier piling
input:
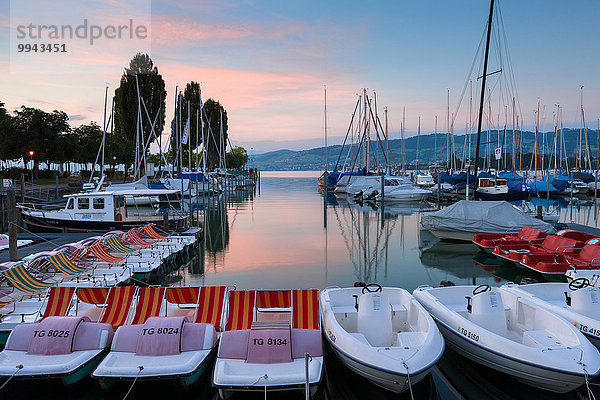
(12, 225)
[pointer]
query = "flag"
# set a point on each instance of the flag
(186, 132)
(498, 153)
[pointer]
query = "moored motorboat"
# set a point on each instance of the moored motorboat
(65, 348)
(504, 331)
(383, 334)
(466, 218)
(272, 342)
(577, 302)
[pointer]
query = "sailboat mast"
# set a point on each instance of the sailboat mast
(418, 144)
(325, 127)
(514, 149)
(485, 63)
(402, 132)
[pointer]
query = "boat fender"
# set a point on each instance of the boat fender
(119, 217)
(487, 311)
(374, 319)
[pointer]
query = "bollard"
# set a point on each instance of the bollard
(22, 187)
(539, 212)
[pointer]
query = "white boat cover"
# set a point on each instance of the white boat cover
(482, 217)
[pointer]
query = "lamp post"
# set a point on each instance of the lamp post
(31, 153)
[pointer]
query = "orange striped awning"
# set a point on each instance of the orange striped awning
(305, 314)
(92, 295)
(183, 295)
(273, 299)
(59, 301)
(210, 305)
(103, 255)
(241, 309)
(117, 305)
(149, 303)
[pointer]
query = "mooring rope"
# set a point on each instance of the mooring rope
(19, 367)
(409, 384)
(140, 368)
(265, 376)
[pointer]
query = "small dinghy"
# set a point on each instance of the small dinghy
(66, 348)
(178, 347)
(272, 343)
(577, 302)
(383, 334)
(506, 332)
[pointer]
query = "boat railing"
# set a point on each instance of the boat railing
(38, 206)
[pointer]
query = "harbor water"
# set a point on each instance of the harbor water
(286, 234)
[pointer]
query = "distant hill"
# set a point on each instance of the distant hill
(313, 159)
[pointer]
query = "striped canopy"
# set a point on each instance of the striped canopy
(20, 278)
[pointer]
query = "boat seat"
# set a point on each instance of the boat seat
(540, 339)
(409, 339)
(360, 337)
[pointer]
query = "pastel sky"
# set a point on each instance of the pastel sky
(267, 61)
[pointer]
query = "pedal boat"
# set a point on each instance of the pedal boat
(178, 345)
(552, 244)
(66, 348)
(527, 235)
(383, 334)
(508, 333)
(271, 344)
(554, 266)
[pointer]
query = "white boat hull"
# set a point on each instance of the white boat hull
(388, 380)
(554, 381)
(410, 348)
(534, 345)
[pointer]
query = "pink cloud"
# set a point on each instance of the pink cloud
(165, 28)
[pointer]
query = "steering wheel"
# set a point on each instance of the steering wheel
(367, 288)
(579, 283)
(481, 289)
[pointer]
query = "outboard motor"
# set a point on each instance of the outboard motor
(374, 318)
(487, 310)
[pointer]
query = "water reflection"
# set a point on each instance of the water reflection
(290, 235)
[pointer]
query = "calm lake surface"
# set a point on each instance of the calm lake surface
(288, 235)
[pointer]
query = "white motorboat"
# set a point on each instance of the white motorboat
(271, 344)
(424, 180)
(66, 348)
(592, 275)
(383, 334)
(361, 183)
(509, 333)
(462, 220)
(576, 301)
(102, 211)
(403, 193)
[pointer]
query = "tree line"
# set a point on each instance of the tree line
(138, 118)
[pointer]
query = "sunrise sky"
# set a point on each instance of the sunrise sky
(268, 61)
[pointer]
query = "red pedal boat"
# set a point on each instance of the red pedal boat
(558, 264)
(567, 242)
(527, 235)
